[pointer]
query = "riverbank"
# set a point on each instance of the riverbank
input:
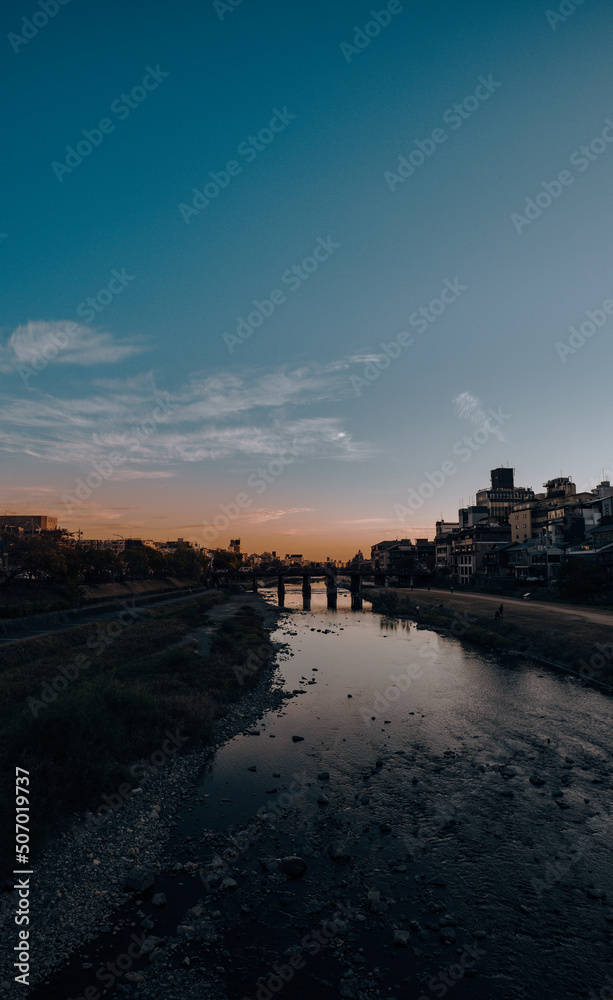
(92, 868)
(82, 706)
(574, 640)
(24, 598)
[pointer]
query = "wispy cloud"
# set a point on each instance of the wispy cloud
(84, 346)
(242, 416)
(469, 407)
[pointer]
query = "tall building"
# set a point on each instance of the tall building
(30, 523)
(469, 516)
(503, 495)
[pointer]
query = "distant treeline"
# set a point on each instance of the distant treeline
(54, 557)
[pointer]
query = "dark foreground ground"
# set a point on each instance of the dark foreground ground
(474, 864)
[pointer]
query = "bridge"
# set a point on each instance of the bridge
(290, 575)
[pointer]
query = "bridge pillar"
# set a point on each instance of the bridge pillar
(331, 590)
(281, 590)
(356, 602)
(356, 583)
(254, 585)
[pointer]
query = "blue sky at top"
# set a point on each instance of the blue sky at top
(322, 176)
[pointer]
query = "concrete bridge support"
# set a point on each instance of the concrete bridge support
(331, 590)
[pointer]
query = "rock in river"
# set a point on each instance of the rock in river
(293, 867)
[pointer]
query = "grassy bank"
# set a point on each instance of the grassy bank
(25, 597)
(575, 645)
(80, 707)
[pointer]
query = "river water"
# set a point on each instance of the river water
(430, 748)
(457, 805)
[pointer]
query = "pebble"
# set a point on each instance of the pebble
(139, 881)
(293, 867)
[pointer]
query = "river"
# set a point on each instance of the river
(457, 805)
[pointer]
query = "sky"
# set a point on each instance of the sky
(301, 274)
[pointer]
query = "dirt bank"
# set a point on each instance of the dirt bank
(573, 639)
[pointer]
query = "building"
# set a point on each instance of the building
(29, 523)
(379, 554)
(468, 548)
(520, 522)
(503, 495)
(443, 545)
(560, 504)
(444, 527)
(534, 561)
(425, 554)
(469, 516)
(600, 535)
(293, 560)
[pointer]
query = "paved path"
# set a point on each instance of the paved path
(540, 612)
(94, 615)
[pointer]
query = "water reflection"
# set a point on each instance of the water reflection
(389, 624)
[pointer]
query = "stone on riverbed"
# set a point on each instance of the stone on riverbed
(293, 867)
(139, 881)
